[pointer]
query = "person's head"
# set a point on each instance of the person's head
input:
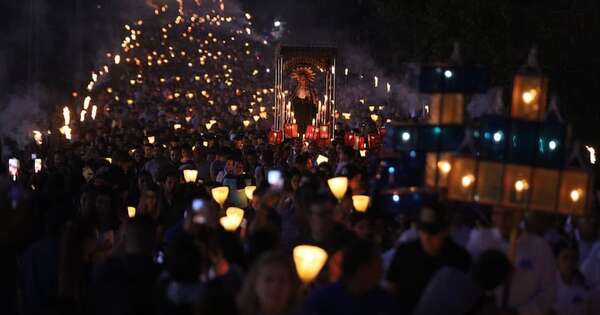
(320, 217)
(175, 154)
(491, 269)
(183, 259)
(346, 154)
(362, 267)
(361, 225)
(301, 162)
(271, 286)
(104, 205)
(505, 221)
(140, 235)
(171, 181)
(239, 167)
(148, 151)
(567, 258)
(148, 204)
(433, 229)
(230, 165)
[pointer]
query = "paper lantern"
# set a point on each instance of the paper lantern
(322, 159)
(311, 133)
(275, 137)
(338, 186)
(246, 123)
(37, 165)
(190, 176)
(131, 212)
(360, 202)
(109, 160)
(324, 132)
(382, 131)
(309, 261)
(235, 212)
(249, 191)
(177, 126)
(573, 192)
(291, 131)
(349, 138)
(446, 109)
(230, 224)
(220, 194)
(461, 179)
(374, 140)
(529, 96)
(151, 139)
(360, 143)
(375, 117)
(363, 153)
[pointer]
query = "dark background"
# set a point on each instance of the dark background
(54, 44)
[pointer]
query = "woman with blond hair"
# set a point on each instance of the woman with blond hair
(271, 287)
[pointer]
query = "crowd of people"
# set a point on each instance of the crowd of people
(70, 245)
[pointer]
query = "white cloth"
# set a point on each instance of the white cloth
(408, 235)
(481, 240)
(450, 292)
(591, 267)
(570, 299)
(532, 286)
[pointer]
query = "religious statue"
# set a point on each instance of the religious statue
(304, 100)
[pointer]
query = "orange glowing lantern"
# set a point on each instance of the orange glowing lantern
(275, 137)
(291, 131)
(324, 132)
(349, 138)
(311, 133)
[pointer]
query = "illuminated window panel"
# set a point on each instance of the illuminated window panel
(461, 179)
(544, 189)
(517, 186)
(529, 97)
(437, 170)
(446, 108)
(573, 192)
(489, 182)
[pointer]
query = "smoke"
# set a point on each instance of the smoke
(22, 113)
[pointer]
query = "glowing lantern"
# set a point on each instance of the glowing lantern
(131, 212)
(360, 143)
(13, 168)
(256, 118)
(572, 192)
(447, 108)
(349, 138)
(246, 123)
(291, 131)
(230, 224)
(363, 153)
(311, 133)
(375, 117)
(176, 126)
(322, 159)
(208, 125)
(361, 202)
(220, 194)
(338, 186)
(444, 167)
(467, 180)
(109, 160)
(249, 191)
(233, 108)
(309, 260)
(575, 195)
(374, 140)
(324, 132)
(235, 213)
(263, 115)
(151, 139)
(275, 137)
(190, 176)
(521, 185)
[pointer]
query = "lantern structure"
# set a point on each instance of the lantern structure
(489, 182)
(190, 176)
(361, 202)
(311, 133)
(151, 139)
(573, 190)
(220, 194)
(309, 261)
(517, 183)
(37, 165)
(275, 137)
(349, 138)
(338, 186)
(529, 91)
(320, 61)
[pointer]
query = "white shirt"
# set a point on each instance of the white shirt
(570, 299)
(591, 267)
(484, 239)
(532, 286)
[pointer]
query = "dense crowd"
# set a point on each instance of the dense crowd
(70, 245)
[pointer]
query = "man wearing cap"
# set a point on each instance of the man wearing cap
(417, 261)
